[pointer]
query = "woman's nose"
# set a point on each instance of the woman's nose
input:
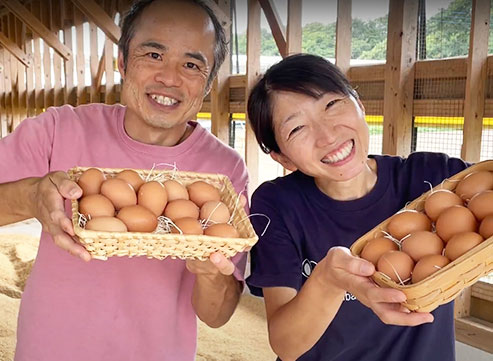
(325, 133)
(169, 75)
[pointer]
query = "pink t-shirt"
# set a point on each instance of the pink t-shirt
(123, 308)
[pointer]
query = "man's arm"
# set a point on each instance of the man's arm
(16, 200)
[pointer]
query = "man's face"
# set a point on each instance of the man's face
(169, 62)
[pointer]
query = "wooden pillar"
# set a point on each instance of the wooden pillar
(343, 35)
(476, 80)
(399, 77)
(252, 73)
(294, 28)
(220, 116)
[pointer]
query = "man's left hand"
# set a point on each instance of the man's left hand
(216, 264)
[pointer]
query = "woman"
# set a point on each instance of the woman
(320, 302)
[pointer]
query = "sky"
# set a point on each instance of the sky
(324, 11)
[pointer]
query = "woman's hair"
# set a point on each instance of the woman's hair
(301, 73)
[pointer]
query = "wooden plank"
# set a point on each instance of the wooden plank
(3, 113)
(15, 50)
(79, 57)
(367, 73)
(475, 333)
(237, 81)
(252, 74)
(55, 26)
(23, 14)
(343, 35)
(399, 77)
(21, 76)
(96, 14)
(14, 96)
(70, 95)
(220, 116)
(110, 94)
(38, 88)
(93, 60)
(275, 24)
(31, 103)
(476, 80)
(7, 61)
(294, 29)
(482, 309)
(483, 291)
(441, 68)
(221, 13)
(462, 304)
(47, 66)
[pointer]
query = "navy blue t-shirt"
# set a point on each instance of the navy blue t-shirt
(305, 223)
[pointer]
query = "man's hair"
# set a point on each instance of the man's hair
(128, 27)
(301, 73)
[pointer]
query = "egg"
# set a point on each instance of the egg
(453, 220)
(406, 222)
(187, 225)
(461, 243)
(215, 212)
(428, 265)
(481, 204)
(422, 243)
(131, 177)
(153, 196)
(119, 192)
(138, 218)
(201, 192)
(397, 265)
(375, 247)
(486, 227)
(222, 230)
(440, 200)
(106, 224)
(90, 181)
(175, 190)
(96, 205)
(473, 183)
(181, 208)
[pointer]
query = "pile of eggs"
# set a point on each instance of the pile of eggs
(417, 244)
(128, 203)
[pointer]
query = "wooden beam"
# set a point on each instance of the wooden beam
(32, 22)
(343, 35)
(96, 14)
(476, 80)
(399, 77)
(275, 24)
(15, 50)
(475, 333)
(221, 13)
(294, 29)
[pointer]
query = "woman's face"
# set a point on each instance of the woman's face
(326, 138)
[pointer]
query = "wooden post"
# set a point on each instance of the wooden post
(294, 29)
(343, 35)
(399, 77)
(476, 80)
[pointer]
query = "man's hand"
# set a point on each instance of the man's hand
(48, 201)
(215, 265)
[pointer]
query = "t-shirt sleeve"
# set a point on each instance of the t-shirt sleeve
(27, 151)
(276, 258)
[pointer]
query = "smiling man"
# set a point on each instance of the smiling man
(123, 308)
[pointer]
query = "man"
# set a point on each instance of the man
(123, 308)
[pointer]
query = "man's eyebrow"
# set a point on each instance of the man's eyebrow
(153, 44)
(197, 56)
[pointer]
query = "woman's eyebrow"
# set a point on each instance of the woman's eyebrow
(288, 119)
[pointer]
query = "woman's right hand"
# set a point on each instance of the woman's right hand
(352, 274)
(47, 197)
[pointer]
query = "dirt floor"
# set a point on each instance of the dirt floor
(243, 338)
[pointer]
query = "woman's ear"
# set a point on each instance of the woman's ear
(283, 160)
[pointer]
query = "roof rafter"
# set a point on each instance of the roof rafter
(15, 50)
(97, 14)
(277, 28)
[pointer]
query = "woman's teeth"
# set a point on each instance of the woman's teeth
(164, 100)
(340, 155)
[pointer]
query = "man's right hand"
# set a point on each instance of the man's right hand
(48, 199)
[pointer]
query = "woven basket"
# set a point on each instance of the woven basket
(102, 245)
(446, 284)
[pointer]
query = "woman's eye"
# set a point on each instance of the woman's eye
(294, 131)
(155, 56)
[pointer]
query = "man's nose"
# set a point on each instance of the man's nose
(169, 75)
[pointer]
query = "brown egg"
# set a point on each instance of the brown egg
(440, 200)
(96, 205)
(90, 181)
(486, 227)
(481, 204)
(215, 212)
(153, 196)
(461, 243)
(422, 243)
(106, 224)
(181, 208)
(222, 230)
(138, 218)
(201, 192)
(119, 192)
(453, 220)
(175, 190)
(375, 247)
(473, 183)
(428, 265)
(406, 222)
(397, 265)
(187, 225)
(131, 177)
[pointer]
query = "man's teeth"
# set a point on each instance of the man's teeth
(164, 100)
(340, 155)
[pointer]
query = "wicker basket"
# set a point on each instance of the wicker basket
(446, 284)
(102, 245)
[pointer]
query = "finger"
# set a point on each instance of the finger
(64, 241)
(223, 264)
(342, 258)
(243, 201)
(67, 188)
(386, 295)
(400, 318)
(67, 226)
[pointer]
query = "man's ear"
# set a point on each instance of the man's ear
(283, 160)
(121, 65)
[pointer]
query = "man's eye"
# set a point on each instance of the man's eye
(155, 56)
(294, 131)
(190, 65)
(331, 103)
